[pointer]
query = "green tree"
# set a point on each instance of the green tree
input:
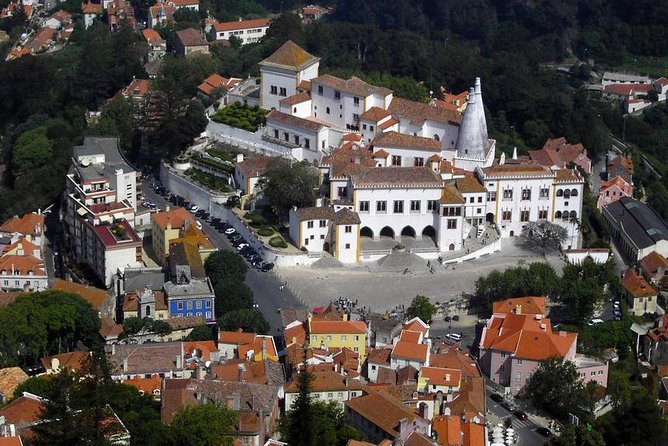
(32, 150)
(42, 386)
(421, 307)
(577, 436)
(638, 423)
(287, 184)
(231, 295)
(222, 265)
(249, 320)
(544, 234)
(555, 387)
(200, 333)
(204, 424)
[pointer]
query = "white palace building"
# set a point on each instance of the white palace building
(399, 169)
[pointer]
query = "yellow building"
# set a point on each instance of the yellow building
(351, 334)
(195, 237)
(167, 226)
(435, 379)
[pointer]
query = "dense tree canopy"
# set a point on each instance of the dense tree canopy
(556, 388)
(204, 424)
(287, 184)
(420, 307)
(249, 320)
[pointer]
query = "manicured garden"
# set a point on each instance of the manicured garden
(241, 116)
(213, 164)
(208, 180)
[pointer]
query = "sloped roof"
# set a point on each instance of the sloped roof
(152, 36)
(191, 37)
(137, 88)
(469, 185)
(451, 195)
(419, 112)
(346, 217)
(23, 411)
(382, 410)
(324, 381)
(398, 140)
(375, 114)
(379, 356)
(255, 166)
(94, 296)
(295, 99)
(315, 213)
(23, 264)
(616, 181)
(652, 262)
(294, 121)
(639, 221)
(290, 56)
(241, 24)
(354, 85)
(146, 385)
(176, 217)
(517, 170)
(238, 337)
(340, 327)
(10, 378)
(410, 350)
(520, 305)
(72, 361)
(636, 285)
(28, 224)
(397, 177)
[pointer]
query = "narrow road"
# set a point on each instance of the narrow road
(525, 429)
(265, 286)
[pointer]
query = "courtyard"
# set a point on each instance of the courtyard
(396, 279)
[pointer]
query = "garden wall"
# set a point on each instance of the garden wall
(245, 140)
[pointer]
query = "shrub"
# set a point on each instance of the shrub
(265, 232)
(256, 220)
(278, 242)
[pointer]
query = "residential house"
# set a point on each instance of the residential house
(452, 430)
(167, 226)
(22, 271)
(151, 386)
(520, 305)
(73, 362)
(29, 226)
(409, 350)
(167, 359)
(383, 329)
(307, 138)
(377, 360)
(654, 267)
(611, 77)
(215, 86)
(620, 166)
(160, 13)
(654, 344)
(312, 13)
(138, 89)
(10, 379)
(326, 386)
(640, 295)
(90, 12)
(119, 11)
(22, 413)
(115, 247)
(247, 172)
(146, 303)
(558, 152)
(612, 190)
(380, 416)
(351, 334)
(189, 296)
(189, 4)
(437, 379)
(283, 71)
(59, 19)
(636, 229)
(266, 372)
(247, 31)
(190, 42)
(248, 346)
(157, 46)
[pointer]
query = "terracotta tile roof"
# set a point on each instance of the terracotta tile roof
(382, 410)
(622, 161)
(387, 124)
(138, 88)
(256, 372)
(637, 286)
(256, 347)
(241, 24)
(304, 85)
(437, 376)
(91, 8)
(22, 264)
(315, 213)
(256, 166)
(10, 378)
(419, 112)
(471, 397)
(379, 356)
(469, 185)
(11, 441)
(238, 337)
(616, 181)
(410, 350)
(294, 121)
(451, 195)
(520, 305)
(291, 56)
(398, 140)
(348, 160)
(354, 137)
(130, 301)
(375, 114)
(526, 337)
(325, 381)
(627, 89)
(28, 224)
(397, 177)
(146, 358)
(72, 361)
(407, 374)
(168, 9)
(182, 3)
(354, 85)
(450, 357)
(22, 244)
(191, 37)
(146, 385)
(517, 170)
(94, 296)
(176, 217)
(339, 327)
(295, 99)
(567, 176)
(152, 36)
(109, 328)
(652, 262)
(346, 217)
(23, 411)
(435, 158)
(410, 336)
(380, 154)
(295, 332)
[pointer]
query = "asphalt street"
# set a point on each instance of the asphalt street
(265, 285)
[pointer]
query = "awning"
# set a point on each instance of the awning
(82, 211)
(119, 215)
(105, 218)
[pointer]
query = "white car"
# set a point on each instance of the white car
(242, 246)
(194, 208)
(198, 224)
(229, 231)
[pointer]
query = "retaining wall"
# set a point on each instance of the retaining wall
(245, 139)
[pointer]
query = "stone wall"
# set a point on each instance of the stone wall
(245, 139)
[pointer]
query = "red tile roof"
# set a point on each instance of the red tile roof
(94, 296)
(238, 337)
(175, 217)
(256, 166)
(146, 385)
(419, 112)
(290, 55)
(382, 410)
(342, 327)
(138, 88)
(241, 24)
(627, 89)
(410, 350)
(652, 262)
(397, 177)
(72, 361)
(23, 411)
(520, 305)
(437, 376)
(191, 37)
(10, 378)
(637, 286)
(91, 8)
(152, 36)
(616, 181)
(22, 264)
(374, 114)
(28, 224)
(398, 140)
(324, 381)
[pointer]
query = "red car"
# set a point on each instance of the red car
(522, 415)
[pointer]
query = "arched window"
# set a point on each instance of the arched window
(566, 215)
(560, 193)
(574, 215)
(148, 311)
(574, 193)
(437, 138)
(567, 193)
(557, 214)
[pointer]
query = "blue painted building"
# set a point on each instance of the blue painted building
(187, 296)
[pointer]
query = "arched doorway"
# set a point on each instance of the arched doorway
(429, 231)
(489, 218)
(366, 232)
(408, 231)
(512, 233)
(451, 247)
(387, 232)
(325, 247)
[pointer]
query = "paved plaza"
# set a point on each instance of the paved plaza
(396, 279)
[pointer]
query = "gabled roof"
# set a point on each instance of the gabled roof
(346, 217)
(72, 361)
(469, 185)
(175, 217)
(23, 411)
(410, 350)
(94, 296)
(324, 381)
(638, 220)
(296, 99)
(91, 8)
(28, 224)
(398, 140)
(419, 112)
(22, 264)
(637, 286)
(294, 121)
(516, 170)
(451, 195)
(238, 337)
(290, 56)
(152, 36)
(390, 177)
(315, 213)
(379, 356)
(375, 114)
(191, 37)
(256, 166)
(616, 181)
(520, 305)
(354, 85)
(137, 88)
(260, 342)
(339, 327)
(10, 378)
(382, 410)
(652, 262)
(146, 385)
(438, 376)
(295, 332)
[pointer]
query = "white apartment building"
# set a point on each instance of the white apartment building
(307, 138)
(283, 71)
(322, 229)
(248, 31)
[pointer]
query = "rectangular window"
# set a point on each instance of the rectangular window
(506, 215)
(542, 215)
(320, 90)
(347, 245)
(491, 196)
(415, 205)
(329, 338)
(276, 135)
(314, 337)
(432, 205)
(322, 236)
(323, 223)
(356, 118)
(363, 126)
(348, 229)
(508, 194)
(198, 304)
(526, 194)
(357, 338)
(398, 207)
(544, 193)
(274, 89)
(337, 94)
(356, 101)
(371, 128)
(306, 241)
(179, 305)
(297, 139)
(330, 395)
(283, 91)
(307, 143)
(419, 162)
(381, 206)
(189, 305)
(344, 338)
(208, 315)
(519, 362)
(364, 206)
(396, 160)
(309, 224)
(208, 304)
(471, 199)
(286, 136)
(452, 223)
(524, 215)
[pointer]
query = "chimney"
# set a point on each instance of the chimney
(237, 400)
(125, 365)
(167, 208)
(240, 157)
(179, 364)
(518, 309)
(264, 348)
(201, 371)
(229, 402)
(240, 372)
(240, 19)
(186, 225)
(543, 327)
(113, 349)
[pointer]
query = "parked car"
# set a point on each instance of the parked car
(194, 208)
(545, 432)
(595, 321)
(454, 336)
(236, 238)
(267, 267)
(447, 318)
(508, 405)
(522, 415)
(242, 245)
(200, 213)
(496, 397)
(230, 231)
(455, 317)
(215, 221)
